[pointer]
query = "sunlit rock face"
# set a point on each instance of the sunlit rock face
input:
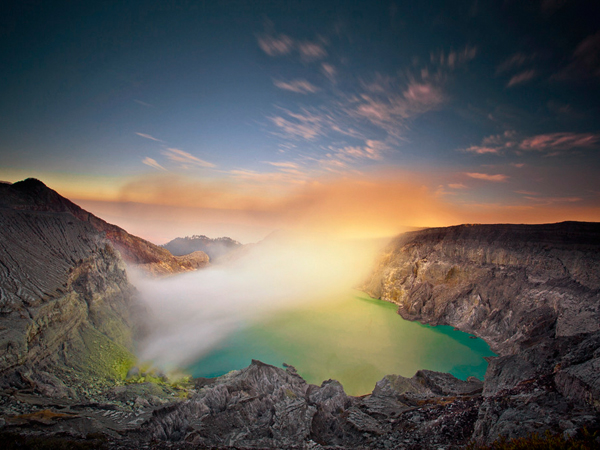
(532, 292)
(509, 284)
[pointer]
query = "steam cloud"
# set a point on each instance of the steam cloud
(193, 312)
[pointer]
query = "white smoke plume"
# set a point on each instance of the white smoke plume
(193, 312)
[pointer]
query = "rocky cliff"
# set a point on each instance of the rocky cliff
(33, 195)
(532, 292)
(67, 310)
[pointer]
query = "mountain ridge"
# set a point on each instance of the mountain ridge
(32, 194)
(215, 248)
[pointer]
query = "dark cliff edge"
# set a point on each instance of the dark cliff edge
(33, 195)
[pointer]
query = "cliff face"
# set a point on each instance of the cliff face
(67, 309)
(531, 291)
(509, 284)
(33, 195)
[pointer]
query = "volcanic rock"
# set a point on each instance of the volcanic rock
(532, 292)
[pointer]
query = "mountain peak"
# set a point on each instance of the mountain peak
(33, 195)
(214, 248)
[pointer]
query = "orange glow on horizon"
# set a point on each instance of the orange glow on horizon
(382, 204)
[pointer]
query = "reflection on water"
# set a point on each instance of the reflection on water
(353, 339)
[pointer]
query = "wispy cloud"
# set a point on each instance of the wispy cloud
(452, 58)
(552, 200)
(585, 62)
(329, 71)
(487, 177)
(288, 165)
(521, 78)
(560, 141)
(587, 53)
(371, 150)
(152, 163)
(457, 186)
(362, 119)
(551, 142)
(494, 144)
(276, 45)
(388, 106)
(514, 62)
(311, 51)
(280, 45)
(147, 105)
(303, 125)
(147, 136)
(481, 150)
(298, 86)
(186, 158)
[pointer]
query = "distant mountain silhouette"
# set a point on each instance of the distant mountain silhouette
(214, 248)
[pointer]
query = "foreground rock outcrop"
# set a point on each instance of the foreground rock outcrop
(267, 407)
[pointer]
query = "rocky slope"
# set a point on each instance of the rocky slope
(510, 284)
(532, 292)
(66, 308)
(267, 407)
(33, 195)
(214, 248)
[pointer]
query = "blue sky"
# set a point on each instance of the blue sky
(483, 104)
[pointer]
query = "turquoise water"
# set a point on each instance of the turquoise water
(354, 339)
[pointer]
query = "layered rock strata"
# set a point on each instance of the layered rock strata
(66, 307)
(532, 292)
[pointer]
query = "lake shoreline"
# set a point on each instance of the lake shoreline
(356, 340)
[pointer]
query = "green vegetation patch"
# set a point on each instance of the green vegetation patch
(102, 358)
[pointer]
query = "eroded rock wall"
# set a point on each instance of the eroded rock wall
(65, 301)
(509, 284)
(532, 292)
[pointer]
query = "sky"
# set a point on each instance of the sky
(354, 118)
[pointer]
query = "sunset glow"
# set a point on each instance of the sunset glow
(356, 121)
